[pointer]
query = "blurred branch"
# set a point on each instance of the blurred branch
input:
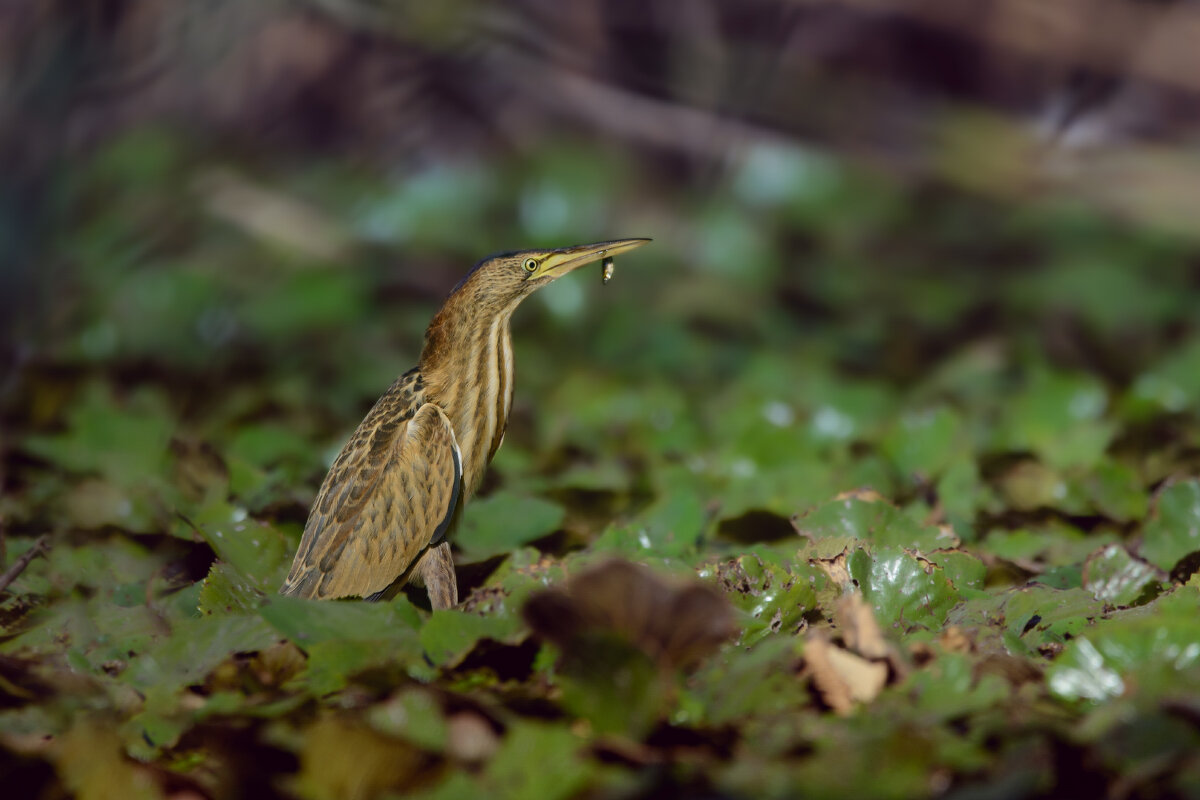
(638, 117)
(18, 566)
(1148, 40)
(271, 215)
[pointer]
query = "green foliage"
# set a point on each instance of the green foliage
(806, 390)
(505, 521)
(1175, 529)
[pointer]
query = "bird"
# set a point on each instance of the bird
(391, 499)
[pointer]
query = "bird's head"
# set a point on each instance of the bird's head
(494, 288)
(519, 273)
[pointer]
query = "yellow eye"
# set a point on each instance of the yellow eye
(530, 264)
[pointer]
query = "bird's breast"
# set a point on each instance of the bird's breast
(478, 397)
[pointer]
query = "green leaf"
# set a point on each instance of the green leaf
(449, 635)
(1053, 544)
(951, 687)
(255, 549)
(759, 681)
(1038, 614)
(614, 685)
(775, 596)
(671, 527)
(537, 761)
(961, 493)
(1173, 531)
(125, 443)
(332, 662)
(503, 522)
(924, 443)
(195, 647)
(1116, 577)
(227, 591)
(1156, 648)
(903, 588)
(964, 570)
(1172, 385)
(1060, 418)
(1116, 491)
(877, 522)
(413, 714)
(307, 622)
(456, 786)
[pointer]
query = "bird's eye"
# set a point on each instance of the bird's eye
(530, 264)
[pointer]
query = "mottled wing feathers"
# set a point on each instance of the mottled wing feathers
(390, 495)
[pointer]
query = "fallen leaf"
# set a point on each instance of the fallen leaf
(859, 629)
(841, 677)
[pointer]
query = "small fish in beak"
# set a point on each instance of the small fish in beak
(607, 270)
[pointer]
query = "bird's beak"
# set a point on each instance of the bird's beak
(559, 262)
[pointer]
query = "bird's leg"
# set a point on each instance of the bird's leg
(436, 570)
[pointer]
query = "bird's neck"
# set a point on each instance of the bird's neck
(467, 367)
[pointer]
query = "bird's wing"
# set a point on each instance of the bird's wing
(389, 496)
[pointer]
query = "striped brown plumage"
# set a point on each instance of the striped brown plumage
(394, 492)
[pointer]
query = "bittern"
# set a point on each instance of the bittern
(394, 493)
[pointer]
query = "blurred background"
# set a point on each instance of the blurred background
(224, 227)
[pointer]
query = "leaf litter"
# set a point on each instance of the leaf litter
(879, 552)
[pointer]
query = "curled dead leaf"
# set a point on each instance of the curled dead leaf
(859, 629)
(674, 622)
(842, 678)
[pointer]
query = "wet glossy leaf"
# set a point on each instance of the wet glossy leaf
(902, 588)
(1147, 651)
(227, 591)
(1116, 577)
(1039, 614)
(875, 521)
(775, 595)
(254, 549)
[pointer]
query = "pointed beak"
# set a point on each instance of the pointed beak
(559, 262)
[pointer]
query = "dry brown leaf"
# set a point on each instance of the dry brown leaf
(954, 640)
(674, 622)
(866, 495)
(841, 677)
(835, 568)
(856, 621)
